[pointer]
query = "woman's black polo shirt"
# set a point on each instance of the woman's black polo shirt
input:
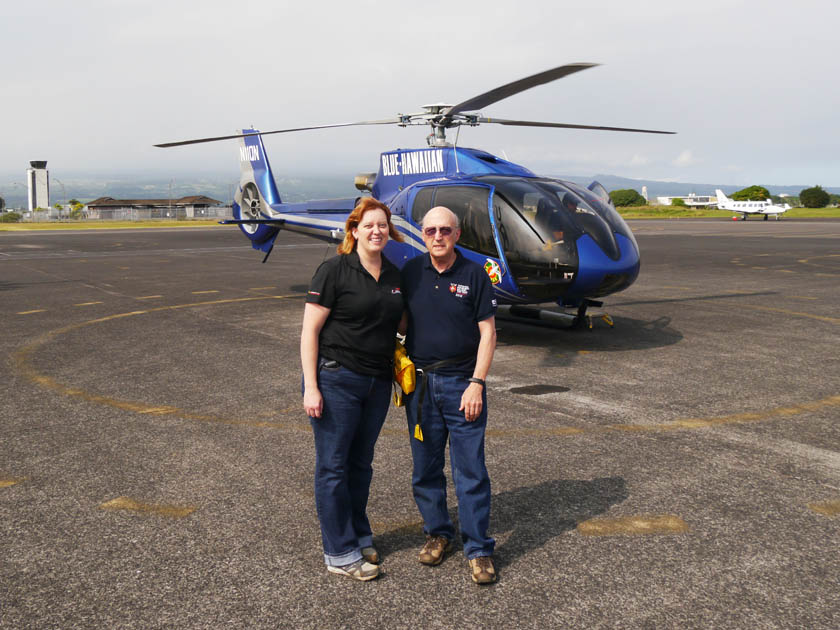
(364, 314)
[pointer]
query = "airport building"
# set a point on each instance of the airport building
(38, 184)
(137, 209)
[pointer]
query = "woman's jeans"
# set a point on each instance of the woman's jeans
(355, 406)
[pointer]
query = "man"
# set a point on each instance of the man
(451, 337)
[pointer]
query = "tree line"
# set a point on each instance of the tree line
(814, 197)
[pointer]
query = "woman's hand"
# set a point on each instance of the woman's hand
(313, 402)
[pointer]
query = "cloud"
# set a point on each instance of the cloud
(685, 159)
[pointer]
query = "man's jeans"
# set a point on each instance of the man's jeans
(442, 419)
(355, 406)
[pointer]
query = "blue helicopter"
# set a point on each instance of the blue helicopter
(539, 239)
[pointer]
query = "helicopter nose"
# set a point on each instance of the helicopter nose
(599, 273)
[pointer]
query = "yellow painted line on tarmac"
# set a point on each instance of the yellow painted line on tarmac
(8, 482)
(584, 351)
(826, 508)
(262, 288)
(21, 360)
(759, 268)
(822, 318)
(204, 292)
(785, 271)
(803, 297)
(37, 310)
(633, 526)
(149, 297)
(87, 303)
(129, 504)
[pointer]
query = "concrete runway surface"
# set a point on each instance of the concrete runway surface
(680, 470)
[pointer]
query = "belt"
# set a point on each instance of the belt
(421, 394)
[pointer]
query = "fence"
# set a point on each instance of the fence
(132, 214)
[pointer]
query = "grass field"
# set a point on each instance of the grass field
(638, 212)
(105, 225)
(676, 212)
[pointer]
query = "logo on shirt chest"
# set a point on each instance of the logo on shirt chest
(460, 290)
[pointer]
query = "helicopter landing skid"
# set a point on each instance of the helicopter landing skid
(583, 318)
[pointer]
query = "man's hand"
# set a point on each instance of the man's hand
(471, 402)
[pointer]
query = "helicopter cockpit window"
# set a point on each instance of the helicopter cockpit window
(422, 203)
(469, 203)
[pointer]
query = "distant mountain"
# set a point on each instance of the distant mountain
(87, 187)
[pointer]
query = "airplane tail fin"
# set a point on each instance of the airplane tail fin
(721, 197)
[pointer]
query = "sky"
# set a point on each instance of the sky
(750, 90)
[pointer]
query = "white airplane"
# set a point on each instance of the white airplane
(750, 207)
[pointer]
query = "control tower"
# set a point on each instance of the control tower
(38, 184)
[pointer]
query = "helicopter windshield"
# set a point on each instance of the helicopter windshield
(536, 235)
(559, 213)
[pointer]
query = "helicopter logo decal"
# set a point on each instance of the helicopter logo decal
(493, 271)
(412, 162)
(539, 239)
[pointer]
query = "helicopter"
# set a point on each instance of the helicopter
(539, 239)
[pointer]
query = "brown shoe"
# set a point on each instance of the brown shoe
(482, 570)
(434, 550)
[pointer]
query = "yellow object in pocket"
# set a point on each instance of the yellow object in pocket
(404, 373)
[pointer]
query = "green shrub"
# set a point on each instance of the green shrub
(10, 217)
(626, 197)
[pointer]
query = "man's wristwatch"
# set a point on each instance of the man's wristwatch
(480, 381)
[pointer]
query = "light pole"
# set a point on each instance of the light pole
(63, 193)
(169, 214)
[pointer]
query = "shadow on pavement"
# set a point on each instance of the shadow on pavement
(534, 515)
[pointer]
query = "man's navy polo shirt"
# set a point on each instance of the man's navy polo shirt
(360, 332)
(444, 310)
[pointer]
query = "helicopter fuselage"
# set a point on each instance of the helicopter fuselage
(539, 239)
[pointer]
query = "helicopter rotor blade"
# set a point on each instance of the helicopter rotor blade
(493, 96)
(531, 123)
(389, 121)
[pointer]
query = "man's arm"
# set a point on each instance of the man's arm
(471, 398)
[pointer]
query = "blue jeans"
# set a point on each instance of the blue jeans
(354, 410)
(442, 420)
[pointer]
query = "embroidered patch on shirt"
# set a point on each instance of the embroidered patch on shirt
(396, 291)
(460, 290)
(313, 293)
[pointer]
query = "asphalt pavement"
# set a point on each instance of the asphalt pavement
(680, 469)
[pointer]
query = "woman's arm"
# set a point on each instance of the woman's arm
(314, 317)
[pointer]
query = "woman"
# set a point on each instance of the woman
(350, 320)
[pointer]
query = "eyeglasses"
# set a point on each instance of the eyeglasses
(445, 230)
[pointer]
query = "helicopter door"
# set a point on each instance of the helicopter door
(470, 205)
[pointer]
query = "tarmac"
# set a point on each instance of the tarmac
(680, 469)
